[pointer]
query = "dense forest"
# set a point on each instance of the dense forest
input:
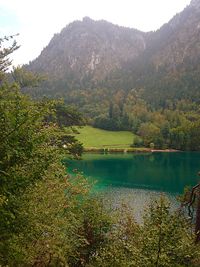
(49, 218)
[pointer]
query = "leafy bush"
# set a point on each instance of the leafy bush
(164, 239)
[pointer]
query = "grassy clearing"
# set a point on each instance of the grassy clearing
(98, 138)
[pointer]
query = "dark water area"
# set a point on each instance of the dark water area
(162, 172)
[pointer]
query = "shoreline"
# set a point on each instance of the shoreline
(127, 150)
(165, 150)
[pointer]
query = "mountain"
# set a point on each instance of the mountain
(179, 40)
(85, 51)
(169, 67)
(86, 55)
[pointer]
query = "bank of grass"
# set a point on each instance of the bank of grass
(94, 139)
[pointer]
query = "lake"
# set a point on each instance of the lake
(137, 178)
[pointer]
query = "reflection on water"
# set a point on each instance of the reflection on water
(166, 172)
(138, 178)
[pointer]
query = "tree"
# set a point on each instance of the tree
(26, 78)
(166, 237)
(150, 134)
(30, 154)
(137, 141)
(5, 62)
(66, 116)
(163, 239)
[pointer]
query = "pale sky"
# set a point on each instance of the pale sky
(38, 20)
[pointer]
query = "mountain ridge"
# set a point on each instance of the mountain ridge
(91, 54)
(82, 45)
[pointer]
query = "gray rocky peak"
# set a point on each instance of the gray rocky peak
(195, 3)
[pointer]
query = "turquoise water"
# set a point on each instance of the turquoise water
(161, 172)
(137, 179)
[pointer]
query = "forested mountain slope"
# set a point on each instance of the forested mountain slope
(124, 79)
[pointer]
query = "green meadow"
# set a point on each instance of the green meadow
(92, 137)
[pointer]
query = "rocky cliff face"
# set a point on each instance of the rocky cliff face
(178, 41)
(90, 49)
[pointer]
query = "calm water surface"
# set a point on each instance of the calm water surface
(137, 178)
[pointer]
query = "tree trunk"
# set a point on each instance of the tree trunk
(197, 226)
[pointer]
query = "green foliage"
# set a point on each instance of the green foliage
(29, 147)
(129, 110)
(150, 134)
(173, 125)
(105, 123)
(137, 141)
(30, 159)
(60, 224)
(95, 223)
(167, 237)
(164, 239)
(66, 116)
(5, 51)
(25, 135)
(26, 78)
